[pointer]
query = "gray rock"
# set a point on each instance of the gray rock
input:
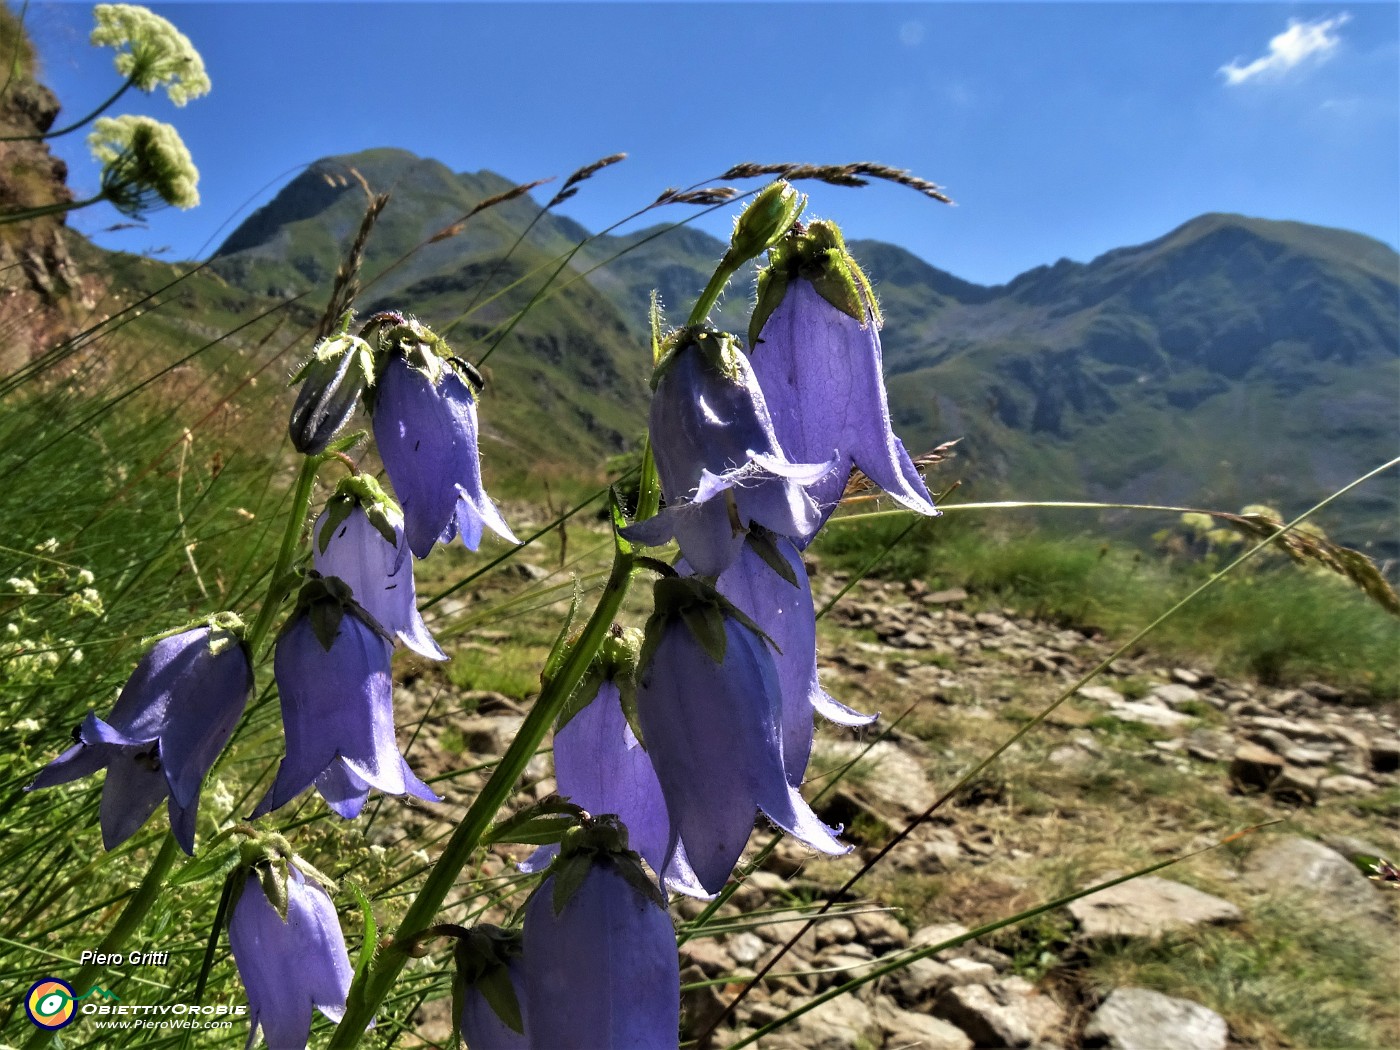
(1140, 1019)
(1148, 714)
(707, 954)
(1254, 768)
(904, 1029)
(885, 773)
(835, 931)
(1008, 1013)
(1148, 907)
(490, 734)
(1100, 694)
(1295, 786)
(1300, 867)
(746, 948)
(1342, 784)
(840, 1024)
(951, 596)
(1209, 745)
(928, 850)
(1299, 755)
(880, 931)
(1175, 694)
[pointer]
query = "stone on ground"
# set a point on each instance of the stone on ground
(1141, 1019)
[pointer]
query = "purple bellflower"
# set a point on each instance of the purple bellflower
(601, 968)
(171, 721)
(291, 962)
(359, 538)
(424, 415)
(717, 457)
(815, 346)
(490, 989)
(710, 706)
(332, 668)
(769, 584)
(600, 766)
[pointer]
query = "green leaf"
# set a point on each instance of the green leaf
(272, 877)
(325, 621)
(543, 822)
(706, 624)
(217, 864)
(619, 522)
(569, 873)
(763, 544)
(496, 988)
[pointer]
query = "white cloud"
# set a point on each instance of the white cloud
(1295, 45)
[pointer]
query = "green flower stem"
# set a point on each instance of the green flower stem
(25, 214)
(375, 982)
(111, 101)
(127, 923)
(711, 294)
(279, 586)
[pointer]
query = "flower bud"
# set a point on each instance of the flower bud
(763, 223)
(332, 381)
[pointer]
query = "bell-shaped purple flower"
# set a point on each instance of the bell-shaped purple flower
(333, 675)
(710, 707)
(815, 347)
(601, 968)
(600, 765)
(289, 966)
(424, 416)
(359, 538)
(718, 459)
(171, 721)
(780, 603)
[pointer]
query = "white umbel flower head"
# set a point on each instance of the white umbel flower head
(144, 163)
(151, 51)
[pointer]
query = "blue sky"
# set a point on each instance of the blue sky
(1060, 129)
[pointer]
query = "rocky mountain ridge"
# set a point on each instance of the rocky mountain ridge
(1230, 361)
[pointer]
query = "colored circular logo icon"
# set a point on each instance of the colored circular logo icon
(50, 1003)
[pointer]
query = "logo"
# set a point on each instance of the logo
(50, 1003)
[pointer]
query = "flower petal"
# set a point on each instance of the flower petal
(133, 789)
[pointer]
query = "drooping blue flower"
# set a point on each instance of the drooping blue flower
(424, 416)
(359, 538)
(601, 968)
(600, 765)
(491, 989)
(710, 707)
(814, 341)
(333, 675)
(718, 459)
(289, 966)
(171, 721)
(783, 610)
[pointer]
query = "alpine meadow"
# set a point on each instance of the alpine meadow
(432, 622)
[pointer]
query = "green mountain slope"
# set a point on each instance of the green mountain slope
(1232, 360)
(566, 385)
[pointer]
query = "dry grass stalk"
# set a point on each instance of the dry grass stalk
(583, 174)
(857, 174)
